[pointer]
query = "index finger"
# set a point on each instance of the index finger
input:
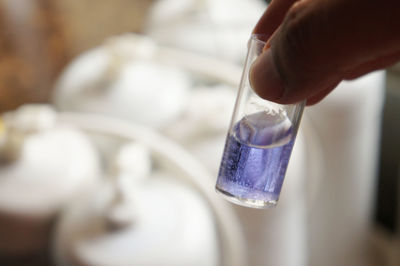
(273, 17)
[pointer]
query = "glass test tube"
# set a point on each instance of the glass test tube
(259, 143)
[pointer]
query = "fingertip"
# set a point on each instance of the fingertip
(264, 77)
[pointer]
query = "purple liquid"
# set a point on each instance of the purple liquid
(255, 159)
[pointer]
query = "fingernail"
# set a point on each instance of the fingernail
(264, 78)
(267, 46)
(268, 43)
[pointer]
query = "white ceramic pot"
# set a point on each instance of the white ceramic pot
(162, 222)
(123, 79)
(169, 215)
(45, 164)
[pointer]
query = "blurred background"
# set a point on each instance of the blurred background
(113, 121)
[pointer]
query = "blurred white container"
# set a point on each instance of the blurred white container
(348, 124)
(170, 225)
(44, 165)
(173, 212)
(220, 28)
(132, 77)
(122, 78)
(139, 217)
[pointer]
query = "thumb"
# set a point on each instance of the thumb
(322, 42)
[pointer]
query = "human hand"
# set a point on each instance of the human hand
(315, 44)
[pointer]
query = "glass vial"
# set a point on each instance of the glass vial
(259, 143)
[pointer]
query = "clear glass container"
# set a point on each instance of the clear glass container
(259, 143)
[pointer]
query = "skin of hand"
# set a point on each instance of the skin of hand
(315, 44)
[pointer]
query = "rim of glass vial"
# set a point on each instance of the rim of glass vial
(257, 40)
(260, 37)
